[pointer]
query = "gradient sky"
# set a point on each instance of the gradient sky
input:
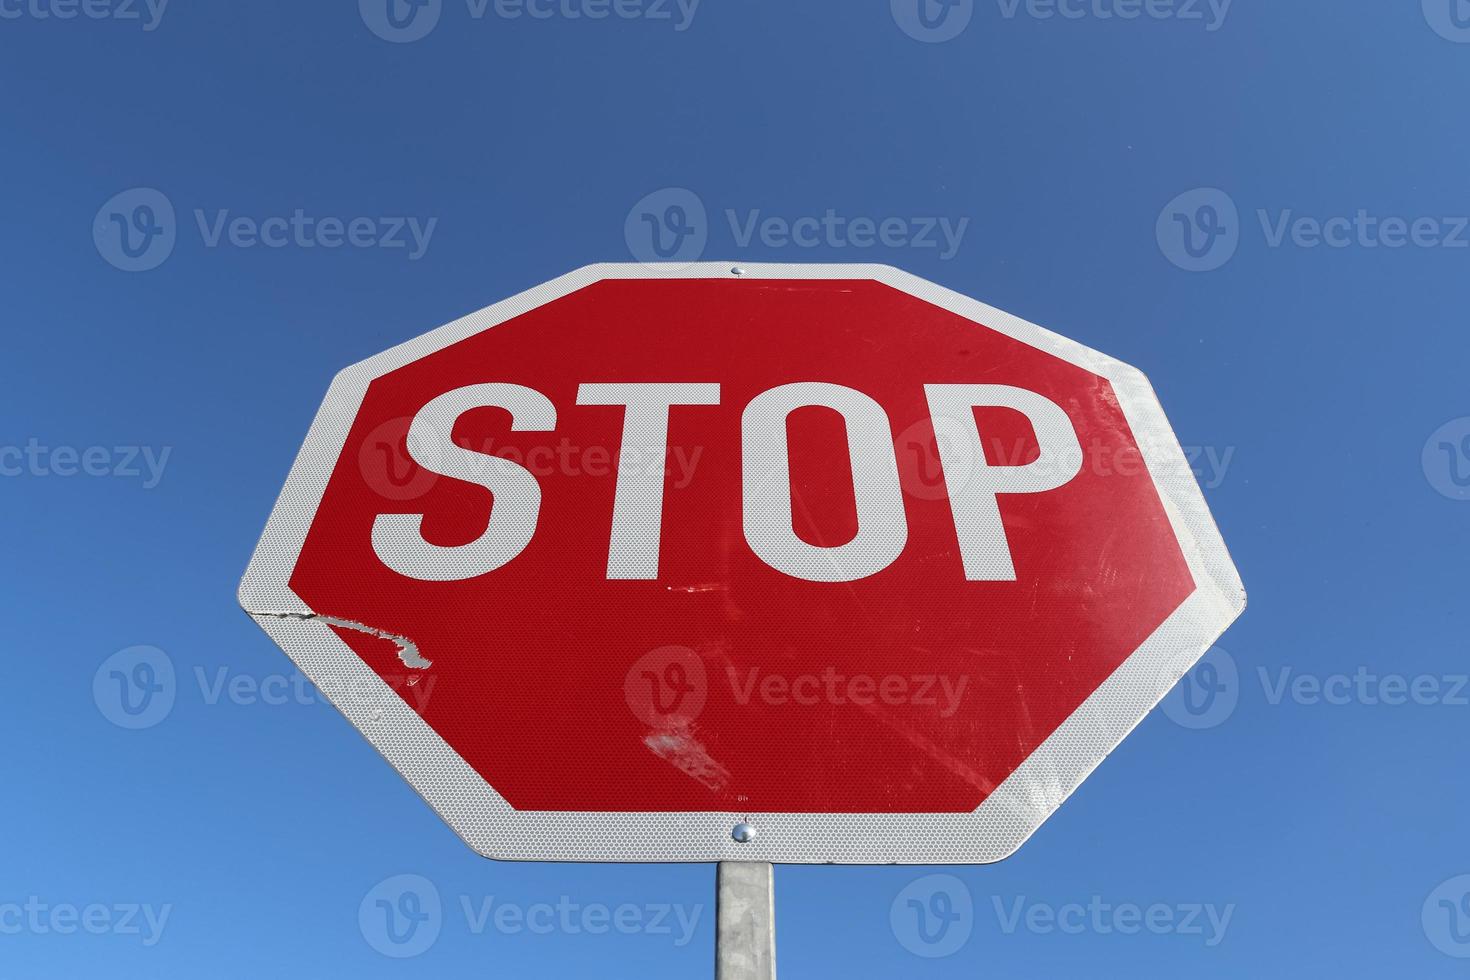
(1138, 184)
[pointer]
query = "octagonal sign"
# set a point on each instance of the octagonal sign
(647, 552)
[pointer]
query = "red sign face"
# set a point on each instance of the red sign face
(808, 548)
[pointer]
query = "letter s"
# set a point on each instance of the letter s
(398, 538)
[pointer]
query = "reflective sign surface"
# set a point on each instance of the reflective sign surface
(830, 551)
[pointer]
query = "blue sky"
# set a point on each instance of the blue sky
(1262, 205)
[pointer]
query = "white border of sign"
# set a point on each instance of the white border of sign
(993, 831)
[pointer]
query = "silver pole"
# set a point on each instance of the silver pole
(745, 931)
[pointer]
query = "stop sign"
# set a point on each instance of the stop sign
(869, 568)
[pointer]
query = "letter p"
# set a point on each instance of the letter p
(974, 484)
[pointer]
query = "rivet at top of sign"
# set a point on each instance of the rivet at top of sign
(743, 833)
(737, 271)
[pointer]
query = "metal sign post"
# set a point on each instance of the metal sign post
(745, 930)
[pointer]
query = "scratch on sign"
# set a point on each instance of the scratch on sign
(408, 651)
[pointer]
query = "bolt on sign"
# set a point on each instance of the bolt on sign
(781, 563)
